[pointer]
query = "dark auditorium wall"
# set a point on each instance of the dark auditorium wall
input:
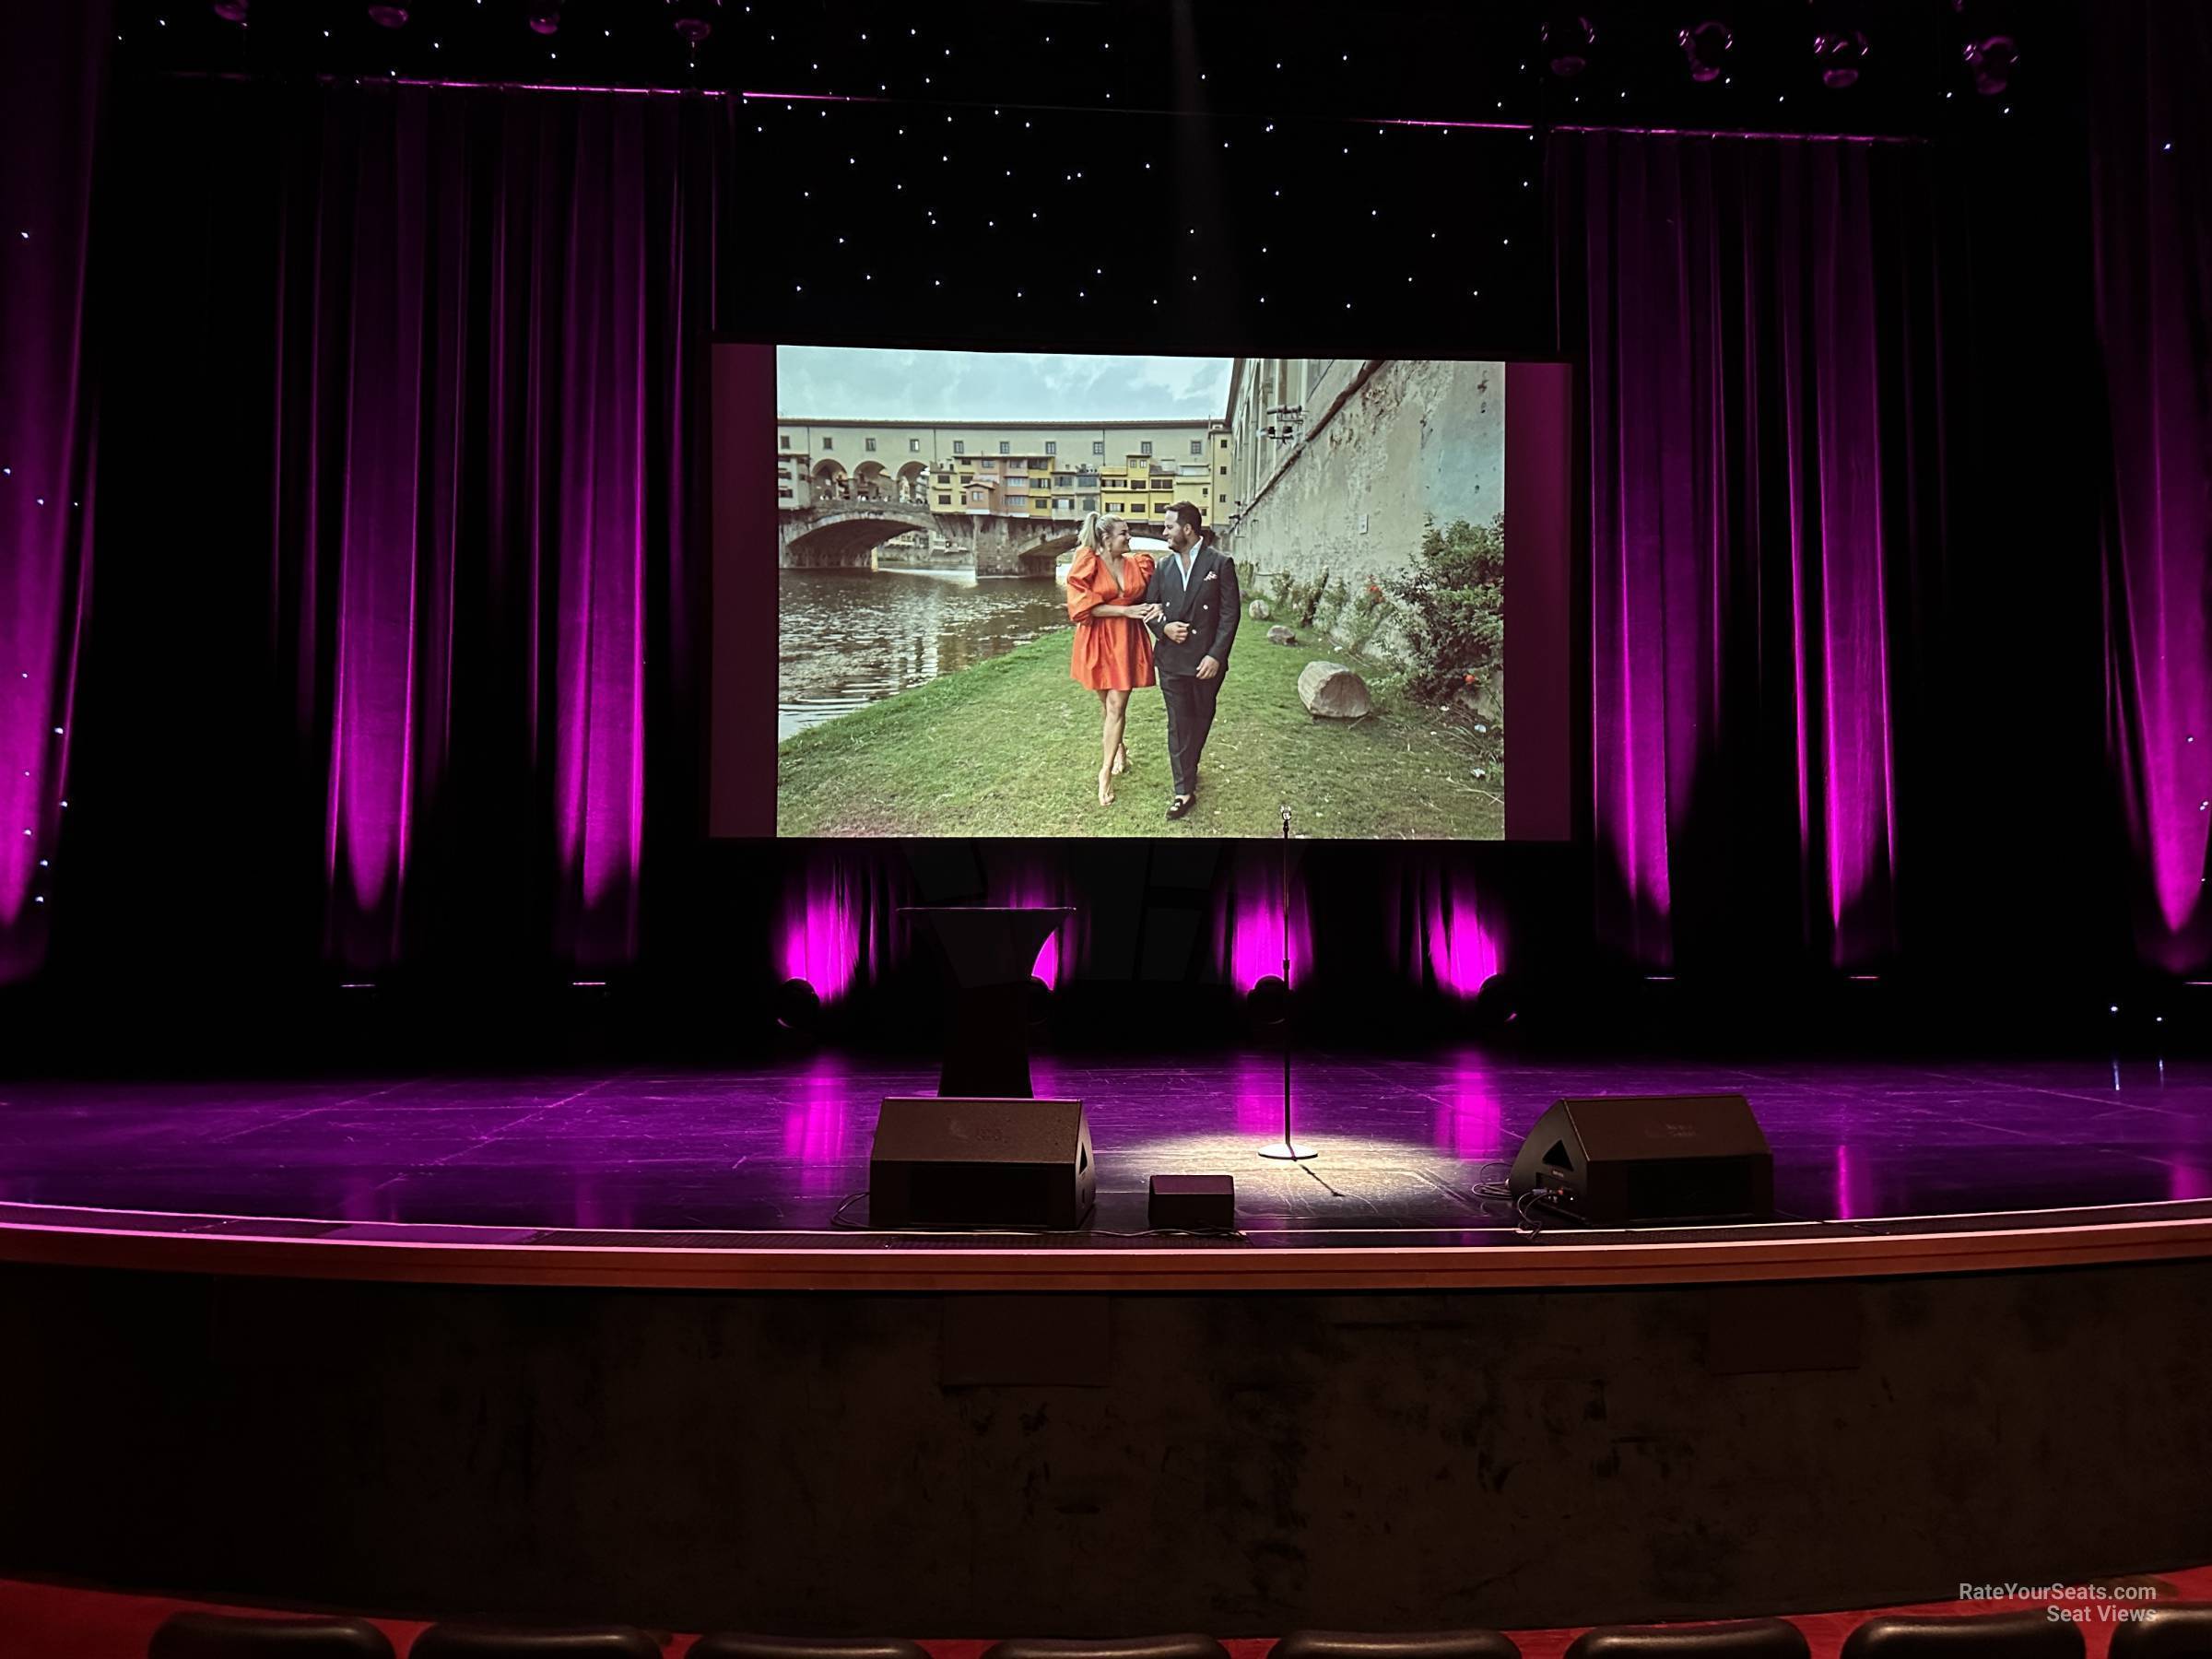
(939, 1466)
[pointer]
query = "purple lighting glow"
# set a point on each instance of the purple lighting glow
(837, 923)
(1437, 933)
(1031, 880)
(1460, 953)
(2158, 530)
(49, 107)
(1470, 1120)
(816, 1127)
(1248, 922)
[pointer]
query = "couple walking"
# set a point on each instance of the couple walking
(1135, 615)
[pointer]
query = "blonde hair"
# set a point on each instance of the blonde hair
(1094, 529)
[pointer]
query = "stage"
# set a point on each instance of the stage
(757, 1178)
(568, 1346)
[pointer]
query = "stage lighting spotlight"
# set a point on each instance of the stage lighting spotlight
(1993, 61)
(1706, 49)
(1268, 1002)
(797, 1006)
(546, 20)
(1567, 39)
(1842, 53)
(389, 17)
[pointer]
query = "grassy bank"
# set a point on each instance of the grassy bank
(1010, 747)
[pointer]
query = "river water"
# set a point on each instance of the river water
(851, 637)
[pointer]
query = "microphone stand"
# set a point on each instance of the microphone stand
(1287, 1148)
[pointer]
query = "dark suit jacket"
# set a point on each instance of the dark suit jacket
(1211, 604)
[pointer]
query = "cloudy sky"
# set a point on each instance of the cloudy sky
(838, 382)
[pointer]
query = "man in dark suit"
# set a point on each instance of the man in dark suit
(1196, 589)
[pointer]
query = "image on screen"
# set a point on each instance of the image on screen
(1052, 595)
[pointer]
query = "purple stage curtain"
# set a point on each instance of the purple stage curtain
(492, 311)
(52, 84)
(1762, 470)
(2152, 191)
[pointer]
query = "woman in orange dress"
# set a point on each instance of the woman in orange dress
(1113, 651)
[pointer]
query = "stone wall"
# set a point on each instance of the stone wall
(1414, 443)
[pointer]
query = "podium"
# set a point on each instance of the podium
(989, 951)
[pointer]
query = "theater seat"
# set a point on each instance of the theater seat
(1737, 1638)
(2164, 1630)
(730, 1644)
(230, 1636)
(501, 1642)
(1110, 1647)
(2030, 1635)
(1414, 1644)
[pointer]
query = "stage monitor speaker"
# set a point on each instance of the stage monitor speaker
(940, 1161)
(1614, 1160)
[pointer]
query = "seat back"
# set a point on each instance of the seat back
(732, 1644)
(2030, 1635)
(2164, 1630)
(506, 1642)
(284, 1636)
(1185, 1646)
(1735, 1639)
(1416, 1644)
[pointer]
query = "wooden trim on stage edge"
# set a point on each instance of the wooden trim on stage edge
(1577, 1260)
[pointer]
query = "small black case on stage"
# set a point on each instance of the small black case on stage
(1195, 1203)
(944, 1162)
(1613, 1160)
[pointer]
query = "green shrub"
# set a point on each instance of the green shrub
(1328, 606)
(1308, 596)
(1369, 610)
(1451, 608)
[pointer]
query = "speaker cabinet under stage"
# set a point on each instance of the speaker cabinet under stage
(1613, 1160)
(948, 1162)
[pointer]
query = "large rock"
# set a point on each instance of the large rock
(1279, 635)
(1332, 691)
(1259, 610)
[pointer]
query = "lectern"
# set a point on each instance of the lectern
(989, 951)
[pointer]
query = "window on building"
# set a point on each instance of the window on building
(1197, 446)
(829, 444)
(1099, 448)
(1051, 448)
(913, 446)
(959, 446)
(871, 446)
(1144, 448)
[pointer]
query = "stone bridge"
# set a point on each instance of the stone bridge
(844, 534)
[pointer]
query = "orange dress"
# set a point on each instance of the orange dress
(1113, 653)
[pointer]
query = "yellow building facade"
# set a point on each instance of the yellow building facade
(1134, 469)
